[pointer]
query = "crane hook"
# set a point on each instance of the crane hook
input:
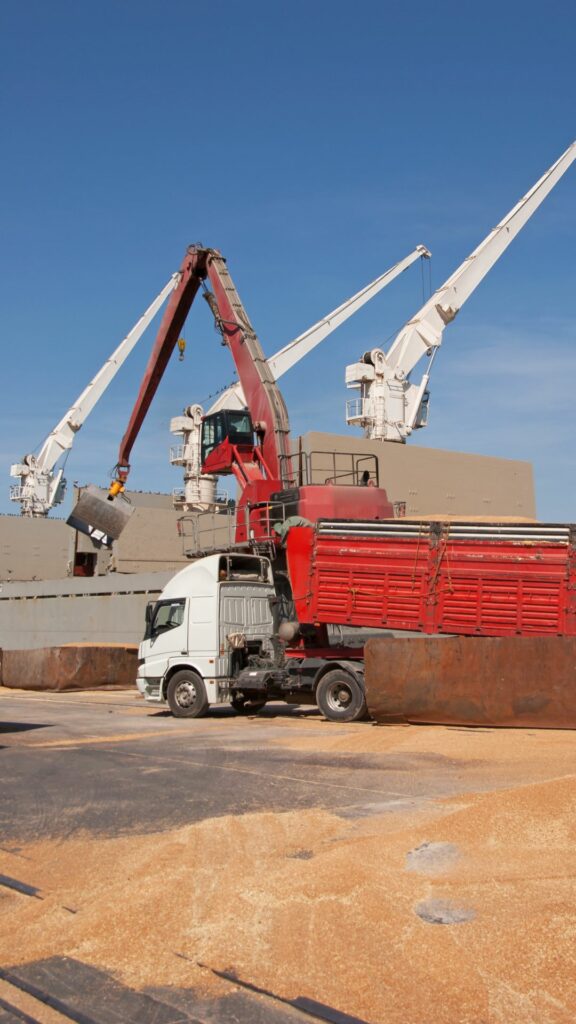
(181, 349)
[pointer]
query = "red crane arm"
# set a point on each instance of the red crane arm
(263, 397)
(191, 272)
(264, 400)
(261, 469)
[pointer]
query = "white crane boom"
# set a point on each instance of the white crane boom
(391, 406)
(295, 350)
(412, 342)
(40, 487)
(199, 490)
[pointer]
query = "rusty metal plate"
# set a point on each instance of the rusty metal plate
(502, 681)
(70, 668)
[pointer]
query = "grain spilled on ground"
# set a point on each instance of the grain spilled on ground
(307, 903)
(533, 750)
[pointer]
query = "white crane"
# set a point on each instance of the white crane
(199, 490)
(41, 484)
(390, 406)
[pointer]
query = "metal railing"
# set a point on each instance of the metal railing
(206, 532)
(354, 409)
(176, 452)
(346, 469)
(203, 532)
(181, 453)
(221, 498)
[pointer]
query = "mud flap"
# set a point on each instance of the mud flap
(99, 518)
(499, 681)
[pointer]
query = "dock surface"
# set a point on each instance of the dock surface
(281, 868)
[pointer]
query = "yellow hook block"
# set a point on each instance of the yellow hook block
(116, 487)
(181, 349)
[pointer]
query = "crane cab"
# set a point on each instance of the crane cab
(233, 426)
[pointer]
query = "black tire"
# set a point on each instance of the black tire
(186, 694)
(245, 706)
(340, 697)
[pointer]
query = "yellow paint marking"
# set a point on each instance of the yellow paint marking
(117, 738)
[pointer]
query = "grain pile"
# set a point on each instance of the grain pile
(308, 903)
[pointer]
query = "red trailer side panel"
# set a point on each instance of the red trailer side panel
(463, 578)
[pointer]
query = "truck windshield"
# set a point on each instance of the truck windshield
(167, 615)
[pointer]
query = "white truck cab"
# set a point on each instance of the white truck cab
(207, 621)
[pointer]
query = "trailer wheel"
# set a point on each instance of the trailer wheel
(340, 697)
(244, 706)
(186, 695)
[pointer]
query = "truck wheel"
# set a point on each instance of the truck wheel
(244, 706)
(340, 697)
(186, 695)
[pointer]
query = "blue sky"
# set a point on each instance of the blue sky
(314, 144)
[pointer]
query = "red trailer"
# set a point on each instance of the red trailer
(499, 597)
(474, 579)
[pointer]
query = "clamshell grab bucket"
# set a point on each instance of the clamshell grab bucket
(102, 519)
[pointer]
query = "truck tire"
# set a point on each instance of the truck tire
(340, 697)
(245, 706)
(186, 694)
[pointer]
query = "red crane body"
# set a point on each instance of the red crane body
(264, 468)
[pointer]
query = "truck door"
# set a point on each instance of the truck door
(202, 635)
(165, 635)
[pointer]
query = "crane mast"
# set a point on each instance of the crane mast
(390, 405)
